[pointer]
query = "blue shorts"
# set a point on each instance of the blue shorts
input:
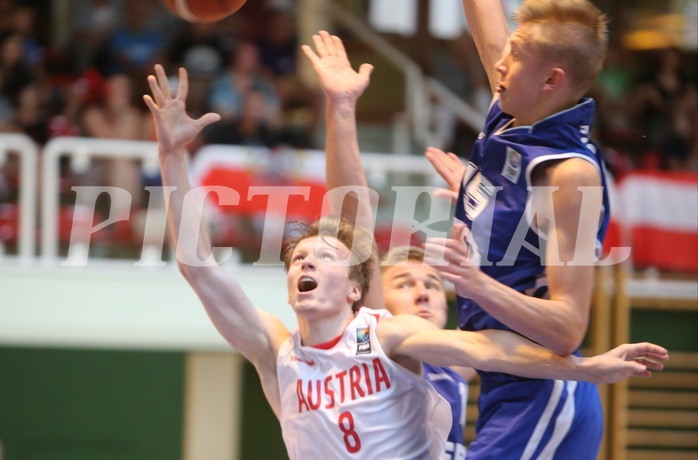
(536, 419)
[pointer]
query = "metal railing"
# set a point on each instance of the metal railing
(27, 150)
(80, 151)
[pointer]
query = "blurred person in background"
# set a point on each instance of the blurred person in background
(116, 116)
(243, 74)
(301, 106)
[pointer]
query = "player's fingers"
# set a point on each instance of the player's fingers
(434, 253)
(365, 70)
(439, 161)
(650, 364)
(208, 118)
(150, 103)
(642, 372)
(163, 82)
(320, 46)
(308, 51)
(446, 194)
(329, 42)
(659, 351)
(155, 89)
(339, 47)
(183, 85)
(451, 278)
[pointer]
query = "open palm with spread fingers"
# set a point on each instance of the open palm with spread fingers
(337, 79)
(175, 129)
(629, 359)
(450, 168)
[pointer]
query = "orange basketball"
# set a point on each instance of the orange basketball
(204, 10)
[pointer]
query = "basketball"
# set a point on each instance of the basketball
(204, 10)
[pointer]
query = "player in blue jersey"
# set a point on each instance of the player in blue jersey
(534, 209)
(412, 287)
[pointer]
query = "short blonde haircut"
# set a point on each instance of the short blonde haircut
(571, 32)
(359, 241)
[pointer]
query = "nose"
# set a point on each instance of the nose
(308, 263)
(500, 66)
(421, 293)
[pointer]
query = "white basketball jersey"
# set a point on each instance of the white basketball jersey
(352, 401)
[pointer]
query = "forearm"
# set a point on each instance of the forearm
(556, 323)
(490, 31)
(344, 166)
(493, 351)
(504, 351)
(175, 180)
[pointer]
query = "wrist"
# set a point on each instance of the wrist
(478, 288)
(341, 102)
(582, 368)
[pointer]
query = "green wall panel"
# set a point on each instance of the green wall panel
(674, 330)
(58, 404)
(261, 432)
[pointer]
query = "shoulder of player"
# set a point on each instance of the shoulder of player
(276, 334)
(571, 172)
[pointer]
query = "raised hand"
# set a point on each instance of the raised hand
(456, 259)
(627, 360)
(449, 167)
(175, 129)
(337, 79)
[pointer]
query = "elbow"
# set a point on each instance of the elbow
(183, 269)
(567, 344)
(564, 350)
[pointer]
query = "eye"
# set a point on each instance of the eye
(298, 258)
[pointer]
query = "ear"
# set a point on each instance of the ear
(355, 292)
(556, 78)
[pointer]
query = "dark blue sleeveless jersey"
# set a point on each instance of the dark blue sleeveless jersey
(495, 191)
(449, 384)
(524, 418)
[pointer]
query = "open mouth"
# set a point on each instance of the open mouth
(306, 284)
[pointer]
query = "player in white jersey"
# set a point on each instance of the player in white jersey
(351, 388)
(408, 285)
(328, 272)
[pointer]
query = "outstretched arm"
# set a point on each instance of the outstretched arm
(504, 351)
(342, 87)
(490, 30)
(254, 333)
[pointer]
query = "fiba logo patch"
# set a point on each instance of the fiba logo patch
(512, 165)
(363, 340)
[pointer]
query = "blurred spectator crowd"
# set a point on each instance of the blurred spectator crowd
(243, 68)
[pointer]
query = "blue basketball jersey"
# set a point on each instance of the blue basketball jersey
(525, 418)
(495, 191)
(454, 388)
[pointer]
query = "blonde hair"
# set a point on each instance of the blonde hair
(358, 240)
(573, 32)
(401, 255)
